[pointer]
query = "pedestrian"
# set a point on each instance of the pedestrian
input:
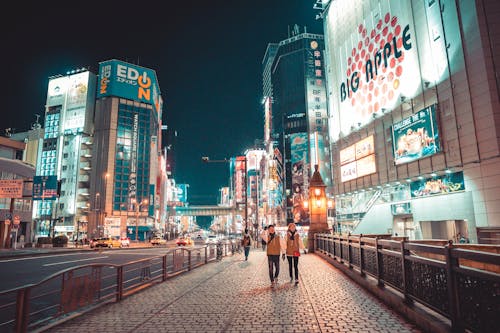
(274, 249)
(262, 239)
(246, 242)
(294, 244)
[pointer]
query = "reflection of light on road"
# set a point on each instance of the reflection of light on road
(70, 261)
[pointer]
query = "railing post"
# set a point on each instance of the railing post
(22, 310)
(380, 283)
(451, 263)
(341, 250)
(206, 254)
(349, 251)
(361, 259)
(189, 260)
(119, 283)
(404, 253)
(164, 267)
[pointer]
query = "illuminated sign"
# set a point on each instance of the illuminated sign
(44, 187)
(11, 188)
(416, 136)
(384, 52)
(445, 184)
(358, 160)
(118, 78)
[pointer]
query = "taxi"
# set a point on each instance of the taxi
(108, 242)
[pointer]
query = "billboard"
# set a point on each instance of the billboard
(239, 179)
(300, 176)
(383, 53)
(358, 160)
(182, 192)
(11, 188)
(137, 83)
(449, 183)
(416, 137)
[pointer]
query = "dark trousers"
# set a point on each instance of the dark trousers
(274, 266)
(247, 251)
(293, 266)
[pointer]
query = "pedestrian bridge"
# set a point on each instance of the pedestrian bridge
(208, 211)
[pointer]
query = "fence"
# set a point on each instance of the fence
(77, 290)
(460, 284)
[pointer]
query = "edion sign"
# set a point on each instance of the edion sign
(132, 76)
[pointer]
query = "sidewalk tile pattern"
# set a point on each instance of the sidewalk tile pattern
(235, 295)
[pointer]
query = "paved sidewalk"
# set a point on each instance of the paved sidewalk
(234, 295)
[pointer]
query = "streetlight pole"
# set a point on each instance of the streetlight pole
(137, 209)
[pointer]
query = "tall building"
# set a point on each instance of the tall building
(65, 153)
(126, 157)
(299, 116)
(414, 100)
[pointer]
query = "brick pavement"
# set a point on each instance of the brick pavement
(234, 295)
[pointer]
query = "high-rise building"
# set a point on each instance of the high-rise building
(413, 100)
(65, 153)
(299, 119)
(125, 189)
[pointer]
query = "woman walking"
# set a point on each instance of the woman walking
(293, 246)
(246, 242)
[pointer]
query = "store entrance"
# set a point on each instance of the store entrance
(455, 230)
(403, 227)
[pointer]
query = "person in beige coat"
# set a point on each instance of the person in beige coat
(293, 247)
(275, 247)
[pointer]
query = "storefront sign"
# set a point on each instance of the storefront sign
(11, 188)
(445, 184)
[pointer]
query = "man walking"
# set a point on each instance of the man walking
(274, 249)
(246, 242)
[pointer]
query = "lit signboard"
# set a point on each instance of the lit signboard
(416, 136)
(445, 184)
(11, 188)
(358, 160)
(382, 53)
(118, 78)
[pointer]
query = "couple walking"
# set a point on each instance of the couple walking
(288, 247)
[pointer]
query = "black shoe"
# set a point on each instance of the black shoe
(296, 282)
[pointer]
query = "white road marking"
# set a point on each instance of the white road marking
(70, 261)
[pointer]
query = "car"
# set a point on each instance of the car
(158, 241)
(199, 240)
(109, 242)
(212, 239)
(125, 241)
(181, 241)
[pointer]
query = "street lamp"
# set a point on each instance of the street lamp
(137, 209)
(317, 208)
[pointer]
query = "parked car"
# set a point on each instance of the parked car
(109, 242)
(199, 240)
(125, 241)
(212, 239)
(158, 241)
(181, 241)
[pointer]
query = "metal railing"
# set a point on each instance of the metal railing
(460, 284)
(79, 289)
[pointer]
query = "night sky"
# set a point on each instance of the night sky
(207, 56)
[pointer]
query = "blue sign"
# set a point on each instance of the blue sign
(44, 187)
(133, 82)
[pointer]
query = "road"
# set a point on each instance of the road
(16, 272)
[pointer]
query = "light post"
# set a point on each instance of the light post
(137, 209)
(317, 208)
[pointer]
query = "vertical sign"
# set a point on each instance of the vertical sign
(132, 188)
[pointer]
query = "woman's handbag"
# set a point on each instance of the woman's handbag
(296, 253)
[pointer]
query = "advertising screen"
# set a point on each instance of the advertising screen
(449, 183)
(118, 78)
(416, 136)
(300, 176)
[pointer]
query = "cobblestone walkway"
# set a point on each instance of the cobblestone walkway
(234, 295)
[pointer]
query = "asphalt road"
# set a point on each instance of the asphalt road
(16, 272)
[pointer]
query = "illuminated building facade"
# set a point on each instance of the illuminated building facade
(414, 103)
(65, 154)
(299, 119)
(126, 169)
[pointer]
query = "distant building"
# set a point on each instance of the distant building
(16, 179)
(65, 154)
(294, 83)
(126, 158)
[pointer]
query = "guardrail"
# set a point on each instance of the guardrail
(80, 289)
(460, 284)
